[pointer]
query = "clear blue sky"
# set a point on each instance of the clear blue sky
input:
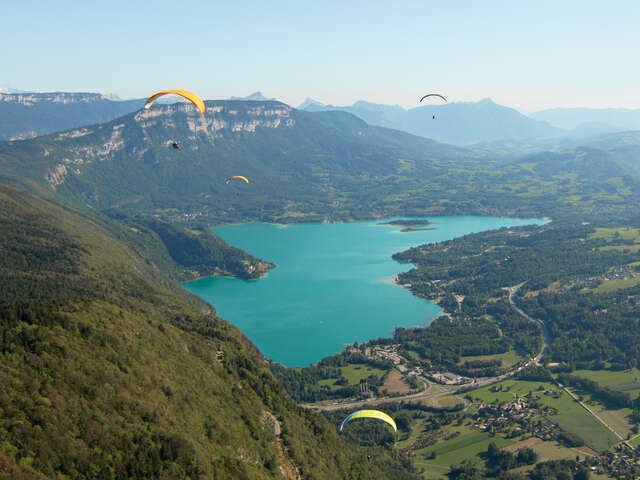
(529, 55)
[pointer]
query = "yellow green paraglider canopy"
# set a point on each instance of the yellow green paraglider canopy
(370, 414)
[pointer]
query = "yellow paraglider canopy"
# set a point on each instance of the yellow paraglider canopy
(239, 177)
(192, 97)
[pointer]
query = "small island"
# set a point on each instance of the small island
(411, 224)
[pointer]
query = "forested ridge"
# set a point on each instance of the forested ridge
(564, 270)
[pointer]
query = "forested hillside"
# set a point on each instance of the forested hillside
(108, 374)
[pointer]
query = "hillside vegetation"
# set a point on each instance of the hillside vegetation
(108, 374)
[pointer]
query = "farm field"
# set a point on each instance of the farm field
(353, 373)
(621, 248)
(356, 372)
(617, 419)
(395, 383)
(508, 358)
(449, 452)
(616, 284)
(510, 388)
(590, 430)
(555, 451)
(627, 381)
(625, 233)
(552, 450)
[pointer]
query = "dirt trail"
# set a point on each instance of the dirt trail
(288, 468)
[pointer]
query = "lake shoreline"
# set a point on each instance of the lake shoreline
(326, 292)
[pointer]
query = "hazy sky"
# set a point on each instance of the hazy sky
(529, 55)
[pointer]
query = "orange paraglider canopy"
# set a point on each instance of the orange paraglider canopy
(239, 177)
(192, 97)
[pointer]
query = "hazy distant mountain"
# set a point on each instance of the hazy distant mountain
(311, 105)
(26, 115)
(591, 120)
(624, 146)
(11, 90)
(455, 123)
(258, 96)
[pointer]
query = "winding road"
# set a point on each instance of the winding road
(546, 338)
(451, 390)
(443, 390)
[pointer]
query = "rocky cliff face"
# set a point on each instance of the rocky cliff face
(232, 116)
(27, 115)
(65, 98)
(177, 119)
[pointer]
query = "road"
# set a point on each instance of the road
(428, 392)
(546, 338)
(452, 390)
(583, 405)
(545, 347)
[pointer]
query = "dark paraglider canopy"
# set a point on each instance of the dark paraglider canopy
(433, 95)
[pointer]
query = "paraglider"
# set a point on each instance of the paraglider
(434, 95)
(240, 177)
(370, 414)
(192, 97)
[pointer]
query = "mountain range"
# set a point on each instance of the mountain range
(27, 115)
(306, 166)
(591, 120)
(301, 164)
(454, 123)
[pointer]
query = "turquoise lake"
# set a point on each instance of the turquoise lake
(328, 288)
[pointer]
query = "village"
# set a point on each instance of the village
(520, 416)
(390, 353)
(523, 416)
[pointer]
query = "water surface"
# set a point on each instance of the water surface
(327, 290)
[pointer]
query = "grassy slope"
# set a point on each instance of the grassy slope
(108, 374)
